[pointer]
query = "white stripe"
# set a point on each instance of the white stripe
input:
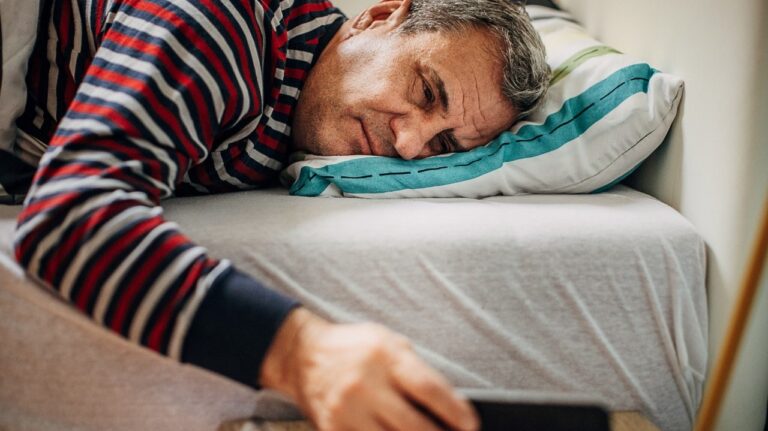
(248, 32)
(109, 159)
(222, 174)
(243, 131)
(279, 126)
(290, 91)
(59, 186)
(105, 234)
(158, 153)
(106, 295)
(88, 28)
(260, 157)
(159, 288)
(129, 102)
(277, 18)
(53, 238)
(311, 25)
(78, 34)
(190, 308)
(81, 124)
(224, 46)
(297, 54)
(170, 92)
(185, 56)
(258, 12)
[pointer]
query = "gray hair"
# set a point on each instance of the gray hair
(526, 73)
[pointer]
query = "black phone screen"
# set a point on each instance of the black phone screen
(520, 416)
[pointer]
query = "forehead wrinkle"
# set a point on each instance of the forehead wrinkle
(471, 119)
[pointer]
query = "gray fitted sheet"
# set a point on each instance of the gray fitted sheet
(602, 295)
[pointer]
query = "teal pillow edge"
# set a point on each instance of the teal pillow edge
(371, 175)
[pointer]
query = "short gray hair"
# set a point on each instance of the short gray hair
(526, 73)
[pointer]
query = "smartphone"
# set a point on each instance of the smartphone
(526, 416)
(537, 411)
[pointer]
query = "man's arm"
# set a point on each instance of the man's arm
(154, 98)
(156, 95)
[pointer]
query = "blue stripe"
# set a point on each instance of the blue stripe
(384, 174)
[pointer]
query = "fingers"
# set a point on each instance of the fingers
(364, 377)
(429, 389)
(398, 414)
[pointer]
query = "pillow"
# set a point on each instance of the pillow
(604, 113)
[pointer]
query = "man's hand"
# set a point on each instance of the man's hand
(359, 377)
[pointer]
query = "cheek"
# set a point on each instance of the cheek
(371, 74)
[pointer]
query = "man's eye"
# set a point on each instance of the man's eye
(429, 96)
(446, 146)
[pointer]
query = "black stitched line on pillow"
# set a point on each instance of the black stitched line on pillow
(572, 119)
(346, 177)
(614, 89)
(531, 139)
(586, 108)
(431, 169)
(461, 165)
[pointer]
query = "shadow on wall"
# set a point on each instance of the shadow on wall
(661, 174)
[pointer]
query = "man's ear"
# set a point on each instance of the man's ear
(387, 13)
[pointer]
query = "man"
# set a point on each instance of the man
(134, 101)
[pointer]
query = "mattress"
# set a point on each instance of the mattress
(602, 295)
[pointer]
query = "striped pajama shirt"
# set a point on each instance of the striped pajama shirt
(131, 102)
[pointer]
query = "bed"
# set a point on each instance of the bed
(601, 295)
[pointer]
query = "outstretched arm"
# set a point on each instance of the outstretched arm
(158, 93)
(155, 98)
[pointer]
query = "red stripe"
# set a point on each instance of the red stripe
(138, 281)
(240, 45)
(182, 81)
(67, 248)
(189, 33)
(168, 118)
(46, 204)
(294, 73)
(251, 16)
(298, 10)
(63, 29)
(104, 263)
(99, 20)
(161, 325)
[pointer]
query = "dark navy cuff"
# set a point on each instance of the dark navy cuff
(234, 326)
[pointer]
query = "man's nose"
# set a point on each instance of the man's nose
(413, 131)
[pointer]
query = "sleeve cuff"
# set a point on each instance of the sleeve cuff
(234, 326)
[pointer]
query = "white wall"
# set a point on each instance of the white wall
(353, 7)
(714, 166)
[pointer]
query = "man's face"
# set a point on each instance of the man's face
(376, 91)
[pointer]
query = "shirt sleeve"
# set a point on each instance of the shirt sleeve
(168, 77)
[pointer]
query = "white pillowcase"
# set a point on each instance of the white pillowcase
(19, 31)
(604, 114)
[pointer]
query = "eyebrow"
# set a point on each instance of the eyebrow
(443, 96)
